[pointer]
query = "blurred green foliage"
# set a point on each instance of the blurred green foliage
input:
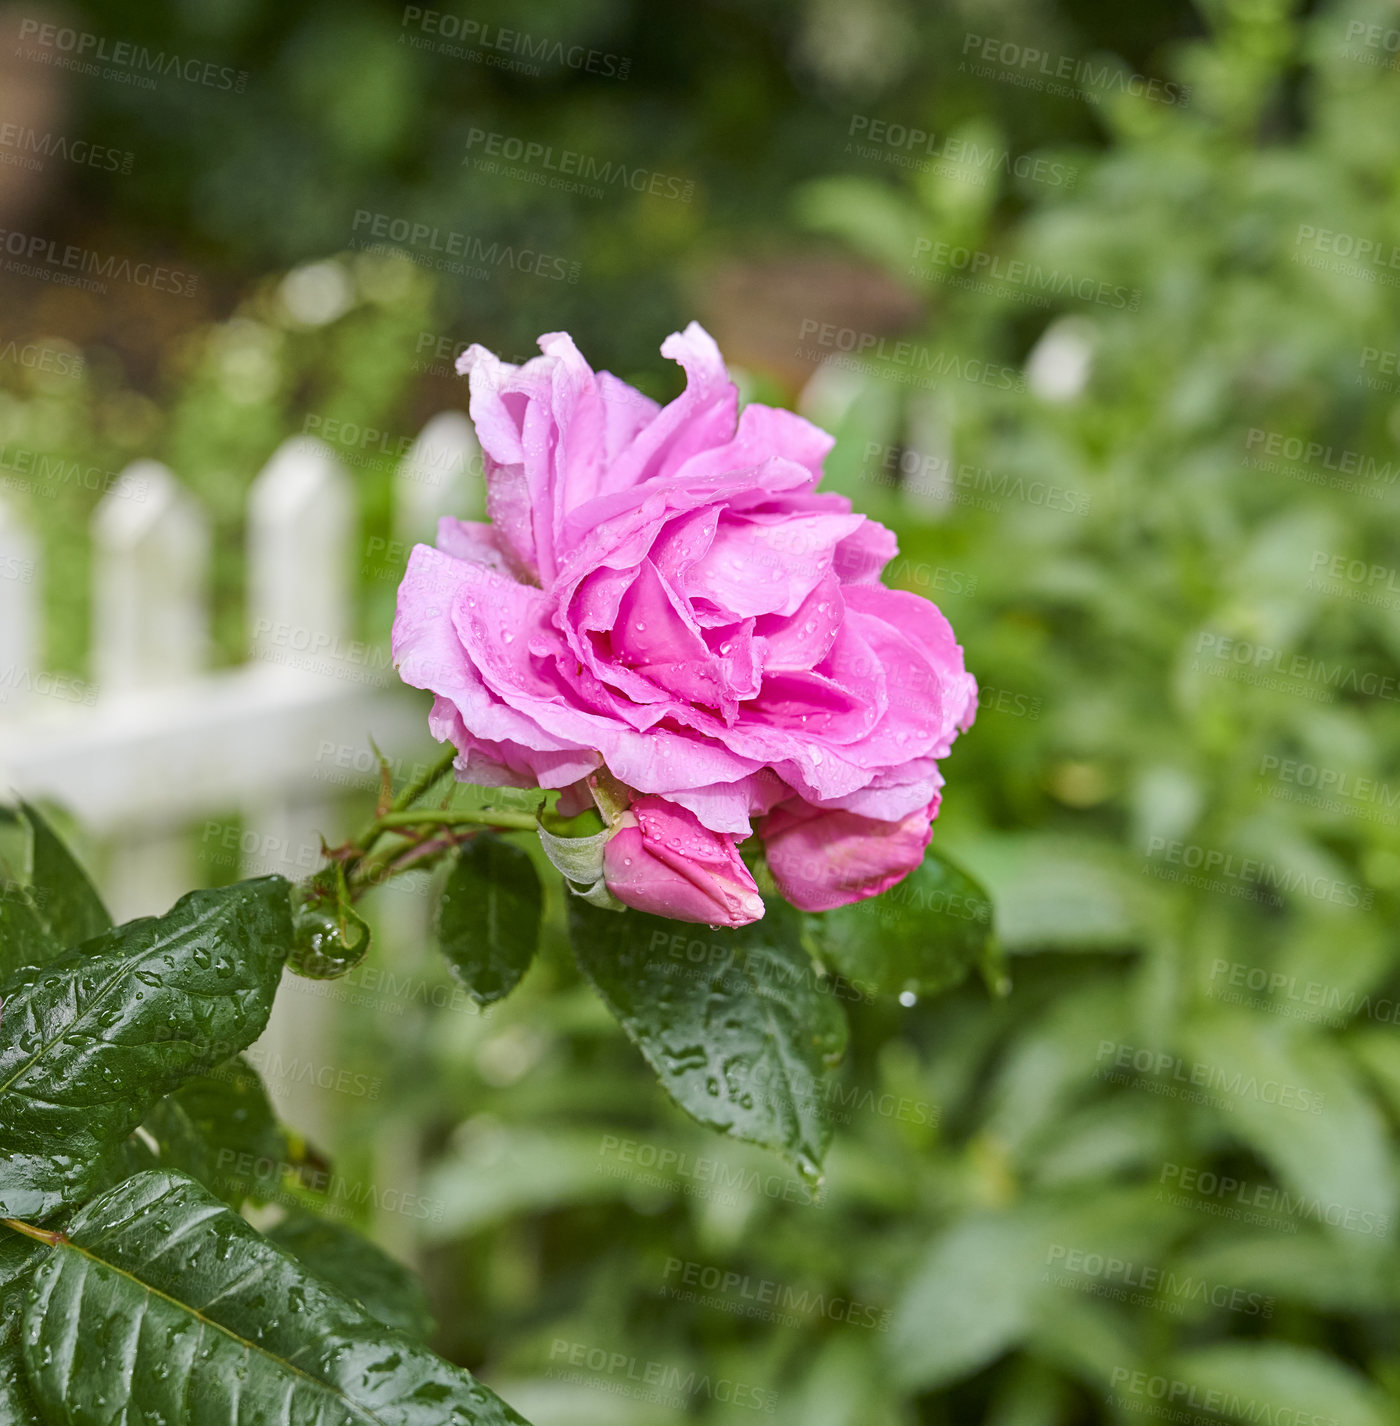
(1171, 1149)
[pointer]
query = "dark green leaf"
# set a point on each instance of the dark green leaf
(353, 1265)
(75, 912)
(18, 1255)
(162, 1304)
(47, 904)
(489, 919)
(89, 1043)
(220, 1128)
(922, 935)
(738, 1025)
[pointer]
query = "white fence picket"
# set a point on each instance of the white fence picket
(150, 556)
(19, 611)
(441, 475)
(301, 517)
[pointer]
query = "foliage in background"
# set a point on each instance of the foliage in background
(1195, 1080)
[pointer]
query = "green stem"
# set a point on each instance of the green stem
(420, 785)
(516, 821)
(40, 1235)
(415, 789)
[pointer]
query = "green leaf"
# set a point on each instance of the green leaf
(1296, 1100)
(89, 1043)
(220, 1128)
(18, 1255)
(75, 910)
(489, 917)
(738, 1025)
(351, 1264)
(47, 904)
(922, 935)
(1262, 1381)
(201, 1321)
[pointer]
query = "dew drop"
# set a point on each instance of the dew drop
(907, 998)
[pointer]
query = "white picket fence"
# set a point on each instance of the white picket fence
(153, 745)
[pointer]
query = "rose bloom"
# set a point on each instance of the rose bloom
(663, 592)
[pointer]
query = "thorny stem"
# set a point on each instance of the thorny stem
(415, 789)
(420, 785)
(374, 873)
(428, 833)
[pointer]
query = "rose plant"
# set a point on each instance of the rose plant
(680, 650)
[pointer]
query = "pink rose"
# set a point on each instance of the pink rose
(664, 592)
(660, 859)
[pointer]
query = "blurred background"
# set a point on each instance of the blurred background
(1101, 303)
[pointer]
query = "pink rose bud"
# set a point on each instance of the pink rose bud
(662, 860)
(824, 858)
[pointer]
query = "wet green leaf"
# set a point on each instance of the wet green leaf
(489, 917)
(89, 1043)
(162, 1304)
